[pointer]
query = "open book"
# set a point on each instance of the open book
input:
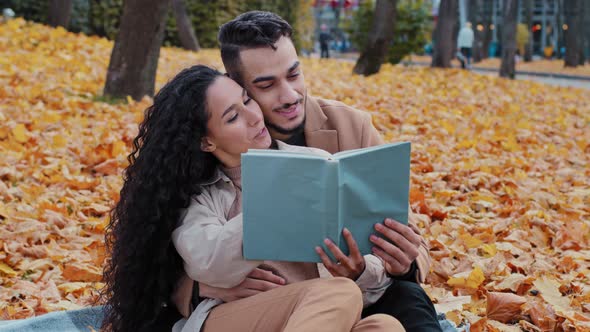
(293, 201)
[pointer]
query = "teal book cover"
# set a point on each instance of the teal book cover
(293, 201)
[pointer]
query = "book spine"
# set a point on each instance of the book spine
(333, 224)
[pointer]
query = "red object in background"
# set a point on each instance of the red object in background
(336, 3)
(317, 3)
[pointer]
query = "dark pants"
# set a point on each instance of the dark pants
(408, 303)
(466, 51)
(324, 50)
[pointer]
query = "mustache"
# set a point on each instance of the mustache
(286, 106)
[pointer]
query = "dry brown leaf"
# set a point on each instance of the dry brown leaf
(542, 315)
(451, 303)
(504, 307)
(549, 290)
(82, 272)
(493, 326)
(528, 327)
(479, 326)
(107, 167)
(511, 282)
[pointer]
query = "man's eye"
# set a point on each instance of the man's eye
(264, 87)
(294, 75)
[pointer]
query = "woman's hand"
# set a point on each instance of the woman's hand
(258, 281)
(351, 266)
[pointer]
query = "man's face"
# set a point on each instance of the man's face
(274, 79)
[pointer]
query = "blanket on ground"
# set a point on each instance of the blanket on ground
(90, 319)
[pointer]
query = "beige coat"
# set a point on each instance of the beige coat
(333, 126)
(211, 247)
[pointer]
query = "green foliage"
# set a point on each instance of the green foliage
(304, 25)
(79, 18)
(360, 25)
(104, 16)
(33, 10)
(206, 17)
(288, 10)
(101, 17)
(411, 28)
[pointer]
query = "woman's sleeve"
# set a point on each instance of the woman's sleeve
(211, 248)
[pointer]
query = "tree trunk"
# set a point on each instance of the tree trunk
(586, 25)
(582, 21)
(134, 60)
(380, 38)
(59, 13)
(489, 33)
(572, 40)
(475, 17)
(508, 66)
(528, 49)
(560, 31)
(186, 33)
(444, 48)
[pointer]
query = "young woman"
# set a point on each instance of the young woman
(180, 213)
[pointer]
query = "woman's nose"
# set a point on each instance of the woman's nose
(254, 116)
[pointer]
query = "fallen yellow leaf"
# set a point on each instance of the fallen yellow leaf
(20, 132)
(7, 270)
(470, 279)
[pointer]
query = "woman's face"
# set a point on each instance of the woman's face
(235, 124)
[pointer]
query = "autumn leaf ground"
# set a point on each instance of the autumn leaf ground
(537, 66)
(499, 174)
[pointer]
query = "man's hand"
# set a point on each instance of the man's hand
(256, 282)
(402, 248)
(351, 266)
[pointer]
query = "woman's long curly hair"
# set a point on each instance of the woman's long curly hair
(165, 169)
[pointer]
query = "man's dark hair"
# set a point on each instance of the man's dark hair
(249, 30)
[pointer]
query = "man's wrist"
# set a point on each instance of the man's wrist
(408, 276)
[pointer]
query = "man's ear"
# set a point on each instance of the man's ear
(207, 145)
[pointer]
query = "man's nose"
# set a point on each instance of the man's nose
(288, 95)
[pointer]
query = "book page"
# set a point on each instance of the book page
(355, 152)
(286, 154)
(286, 206)
(374, 186)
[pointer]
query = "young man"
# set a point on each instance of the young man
(257, 52)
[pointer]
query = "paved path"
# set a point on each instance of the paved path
(546, 78)
(568, 82)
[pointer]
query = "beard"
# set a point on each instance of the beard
(284, 131)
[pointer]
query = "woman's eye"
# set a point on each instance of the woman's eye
(293, 75)
(247, 101)
(233, 118)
